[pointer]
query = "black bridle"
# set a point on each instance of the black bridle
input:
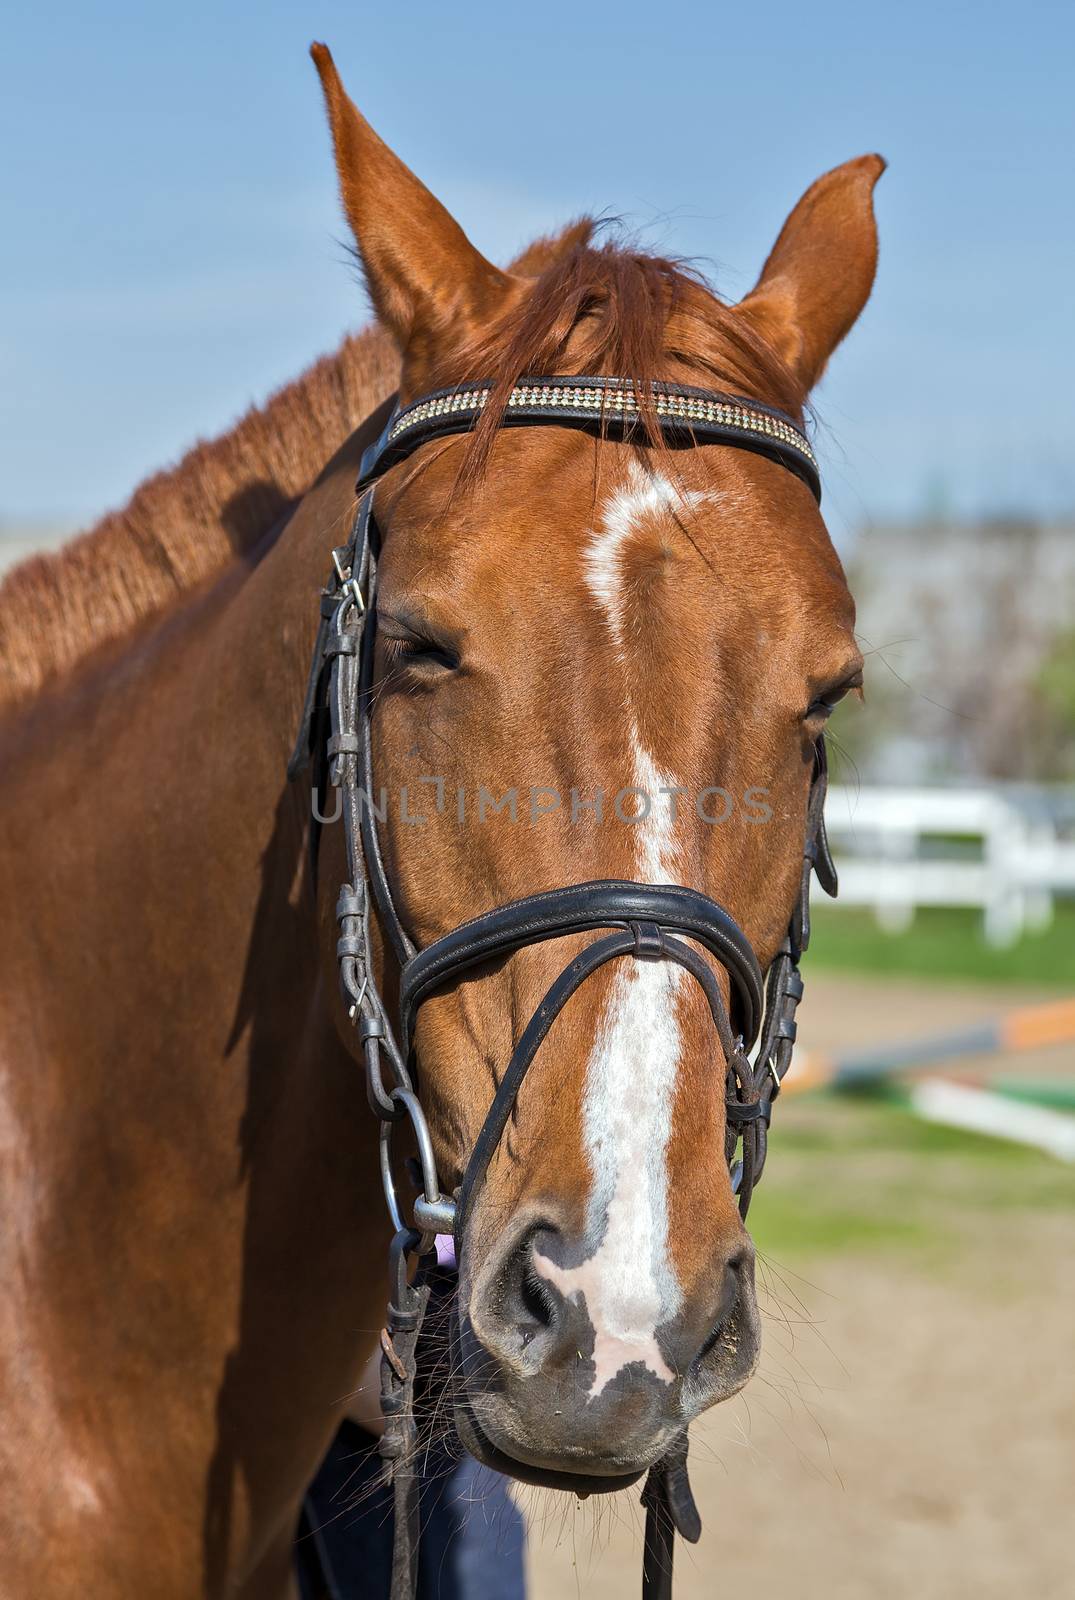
(641, 921)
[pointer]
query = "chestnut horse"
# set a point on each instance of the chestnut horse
(193, 1230)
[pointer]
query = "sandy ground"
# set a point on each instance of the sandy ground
(911, 1432)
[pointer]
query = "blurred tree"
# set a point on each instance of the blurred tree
(1056, 699)
(967, 632)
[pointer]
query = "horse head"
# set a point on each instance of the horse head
(600, 659)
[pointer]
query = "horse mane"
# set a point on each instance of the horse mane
(602, 308)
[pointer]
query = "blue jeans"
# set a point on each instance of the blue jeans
(473, 1541)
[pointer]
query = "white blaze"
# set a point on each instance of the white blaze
(629, 1282)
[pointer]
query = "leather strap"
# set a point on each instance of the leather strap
(670, 1509)
(580, 908)
(612, 408)
(399, 1341)
(667, 947)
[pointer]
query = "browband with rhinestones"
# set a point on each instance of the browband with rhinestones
(607, 406)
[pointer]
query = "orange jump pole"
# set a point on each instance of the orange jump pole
(1034, 1114)
(1026, 1028)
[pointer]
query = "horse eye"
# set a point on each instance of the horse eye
(826, 703)
(414, 649)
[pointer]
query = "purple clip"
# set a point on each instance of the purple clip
(446, 1251)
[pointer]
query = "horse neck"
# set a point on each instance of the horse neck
(157, 851)
(169, 1067)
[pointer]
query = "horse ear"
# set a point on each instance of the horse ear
(820, 272)
(428, 283)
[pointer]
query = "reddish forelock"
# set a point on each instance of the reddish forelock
(611, 311)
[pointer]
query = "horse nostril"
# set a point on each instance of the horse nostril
(731, 1285)
(710, 1344)
(538, 1303)
(518, 1310)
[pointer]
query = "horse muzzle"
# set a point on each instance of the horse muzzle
(561, 1384)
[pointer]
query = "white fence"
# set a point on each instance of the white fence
(1004, 853)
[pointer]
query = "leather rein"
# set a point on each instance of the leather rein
(640, 921)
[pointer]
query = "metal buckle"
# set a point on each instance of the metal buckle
(348, 584)
(352, 1013)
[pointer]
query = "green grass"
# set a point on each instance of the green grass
(944, 944)
(861, 1176)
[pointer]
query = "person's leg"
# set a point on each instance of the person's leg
(473, 1543)
(473, 1539)
(344, 1545)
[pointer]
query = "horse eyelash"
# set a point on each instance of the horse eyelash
(400, 651)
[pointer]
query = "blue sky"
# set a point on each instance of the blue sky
(173, 241)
